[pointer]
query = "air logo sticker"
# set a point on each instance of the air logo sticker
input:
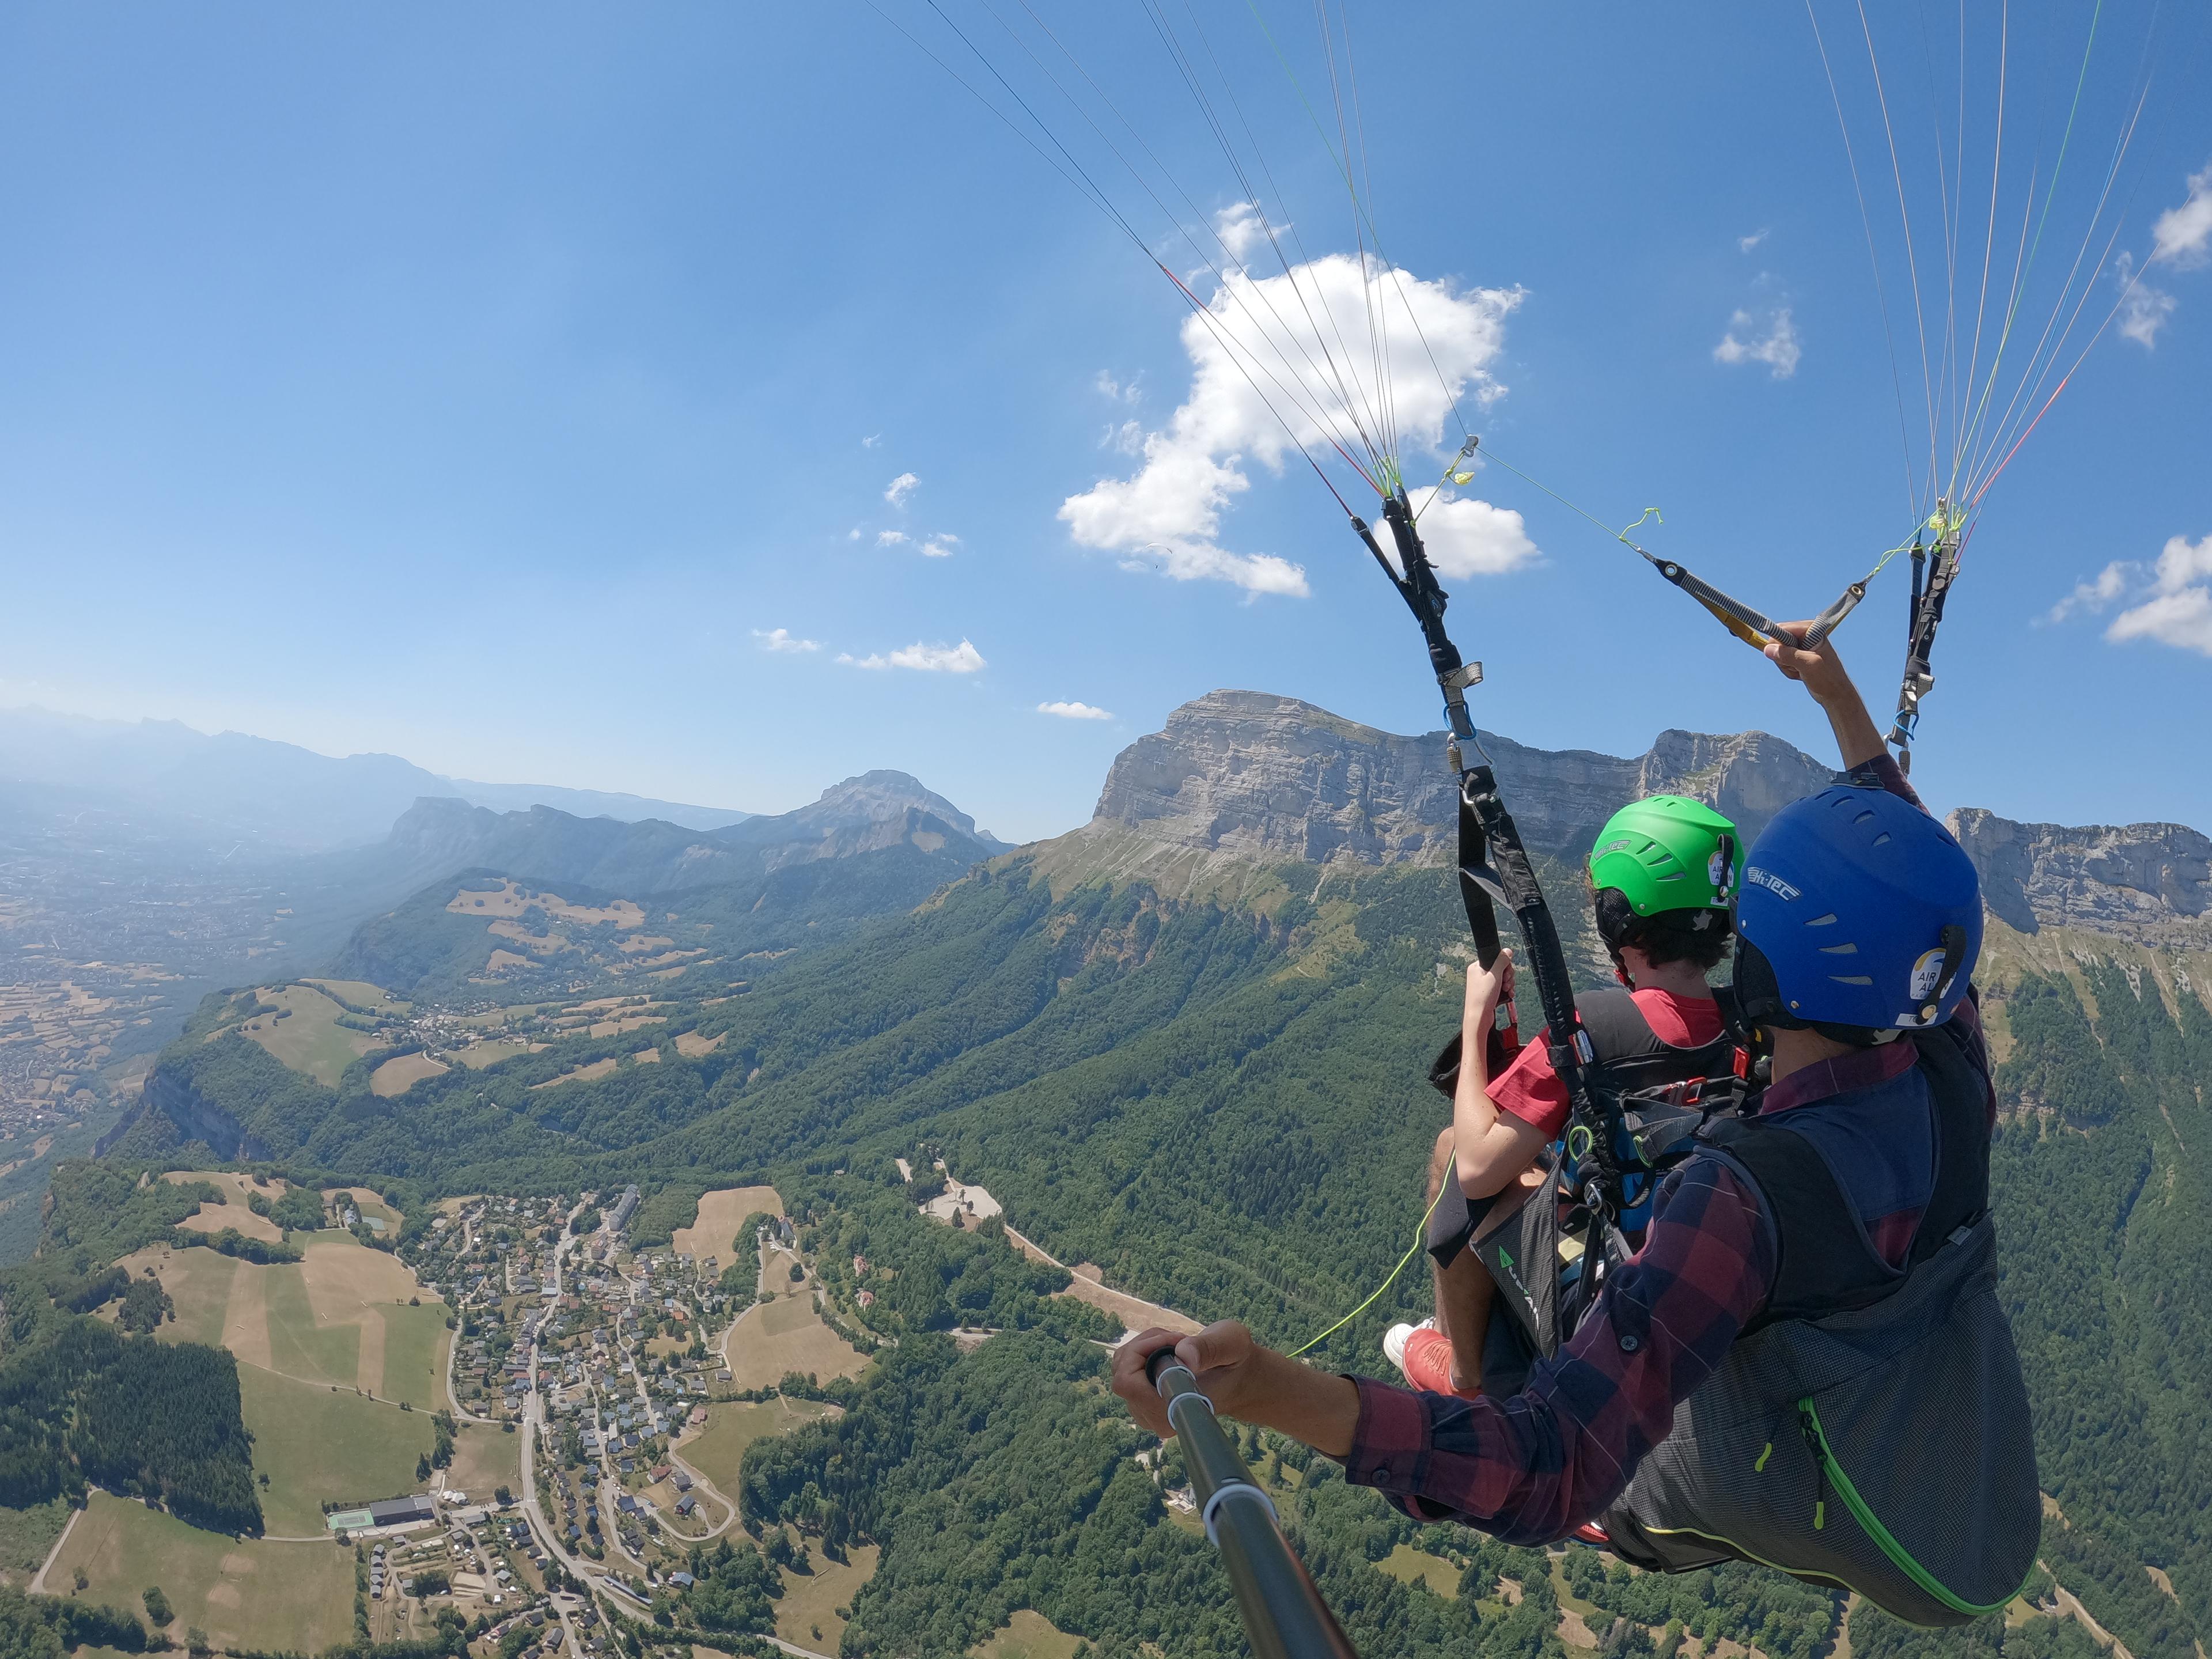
(1926, 973)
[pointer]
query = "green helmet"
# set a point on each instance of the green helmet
(1668, 853)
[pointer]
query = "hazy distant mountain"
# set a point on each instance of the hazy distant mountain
(440, 836)
(276, 794)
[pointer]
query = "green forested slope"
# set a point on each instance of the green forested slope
(1222, 1104)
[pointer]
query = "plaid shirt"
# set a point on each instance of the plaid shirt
(1532, 1468)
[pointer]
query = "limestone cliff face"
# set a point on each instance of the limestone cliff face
(1263, 778)
(2150, 884)
(197, 1118)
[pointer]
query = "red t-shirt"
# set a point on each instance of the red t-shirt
(1531, 1090)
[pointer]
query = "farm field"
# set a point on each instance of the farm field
(315, 1443)
(777, 1338)
(1029, 1635)
(339, 1316)
(721, 1214)
(308, 1038)
(806, 1616)
(234, 1211)
(402, 1072)
(718, 1450)
(245, 1593)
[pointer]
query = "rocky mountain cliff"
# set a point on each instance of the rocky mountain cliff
(1252, 777)
(1245, 778)
(2149, 884)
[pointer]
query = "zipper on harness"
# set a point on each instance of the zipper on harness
(1814, 1444)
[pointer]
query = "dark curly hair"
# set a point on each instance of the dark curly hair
(1700, 936)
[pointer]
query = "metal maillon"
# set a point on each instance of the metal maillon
(1285, 1617)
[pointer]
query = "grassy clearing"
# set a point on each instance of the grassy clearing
(232, 1210)
(308, 1037)
(717, 1451)
(1410, 1566)
(805, 1616)
(478, 1055)
(787, 1335)
(314, 1445)
(26, 1535)
(244, 1593)
(399, 1074)
(1029, 1635)
(691, 1045)
(362, 995)
(199, 1283)
(485, 1460)
(598, 1068)
(721, 1214)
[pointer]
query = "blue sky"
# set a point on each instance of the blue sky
(491, 386)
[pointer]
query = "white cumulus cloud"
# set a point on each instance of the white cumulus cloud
(1772, 341)
(1465, 536)
(900, 488)
(961, 658)
(1744, 244)
(1310, 331)
(783, 639)
(871, 441)
(2183, 236)
(1073, 711)
(2170, 603)
(2178, 610)
(940, 545)
(890, 537)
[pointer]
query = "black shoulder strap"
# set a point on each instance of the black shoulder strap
(1958, 1092)
(1631, 1056)
(1826, 1264)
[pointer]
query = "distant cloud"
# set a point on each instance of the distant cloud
(2173, 600)
(939, 545)
(1168, 517)
(2143, 309)
(1116, 391)
(1240, 229)
(961, 658)
(1126, 439)
(1773, 342)
(854, 534)
(902, 487)
(783, 639)
(871, 441)
(2182, 236)
(1744, 244)
(1073, 711)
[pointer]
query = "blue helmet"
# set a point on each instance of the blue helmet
(1857, 910)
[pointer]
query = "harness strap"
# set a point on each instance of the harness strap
(1928, 601)
(1494, 867)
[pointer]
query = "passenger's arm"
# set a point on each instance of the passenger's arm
(1490, 1148)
